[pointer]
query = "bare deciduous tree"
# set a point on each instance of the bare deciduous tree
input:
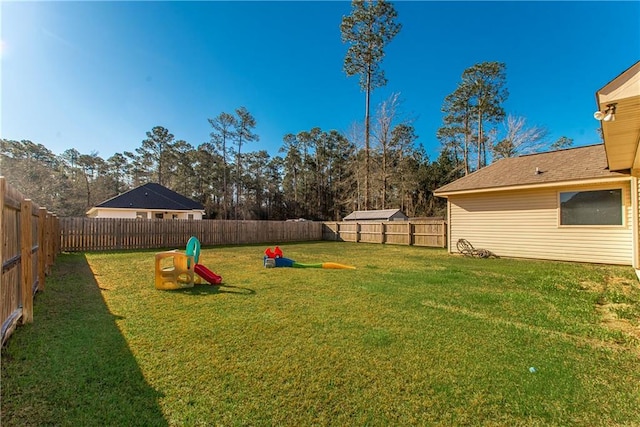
(519, 139)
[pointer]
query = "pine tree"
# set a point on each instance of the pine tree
(369, 28)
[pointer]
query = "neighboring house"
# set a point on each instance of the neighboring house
(534, 207)
(149, 201)
(377, 215)
(579, 204)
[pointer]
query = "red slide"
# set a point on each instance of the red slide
(207, 274)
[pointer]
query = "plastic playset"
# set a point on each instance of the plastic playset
(177, 270)
(274, 258)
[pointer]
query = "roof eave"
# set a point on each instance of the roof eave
(145, 209)
(589, 181)
(622, 136)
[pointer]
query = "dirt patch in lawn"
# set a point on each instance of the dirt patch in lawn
(619, 305)
(611, 319)
(592, 286)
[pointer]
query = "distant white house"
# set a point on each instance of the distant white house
(149, 201)
(377, 215)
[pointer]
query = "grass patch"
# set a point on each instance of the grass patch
(414, 336)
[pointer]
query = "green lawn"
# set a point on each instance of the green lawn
(413, 336)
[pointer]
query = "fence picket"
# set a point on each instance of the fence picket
(26, 253)
(430, 233)
(97, 234)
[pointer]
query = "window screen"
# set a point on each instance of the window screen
(602, 207)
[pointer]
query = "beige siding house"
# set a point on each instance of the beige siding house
(579, 204)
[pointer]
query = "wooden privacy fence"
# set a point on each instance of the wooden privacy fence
(99, 234)
(418, 233)
(28, 249)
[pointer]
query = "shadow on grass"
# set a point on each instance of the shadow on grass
(72, 366)
(216, 289)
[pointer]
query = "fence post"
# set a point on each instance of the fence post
(42, 247)
(357, 232)
(49, 243)
(444, 234)
(55, 237)
(26, 260)
(3, 192)
(382, 232)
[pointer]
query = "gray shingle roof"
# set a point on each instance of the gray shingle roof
(373, 214)
(152, 196)
(574, 164)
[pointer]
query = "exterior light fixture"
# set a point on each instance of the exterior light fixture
(608, 115)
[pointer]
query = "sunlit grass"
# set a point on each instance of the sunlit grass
(413, 336)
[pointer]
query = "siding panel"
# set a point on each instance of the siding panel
(524, 224)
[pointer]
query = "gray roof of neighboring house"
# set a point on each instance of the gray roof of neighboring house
(374, 214)
(573, 164)
(151, 196)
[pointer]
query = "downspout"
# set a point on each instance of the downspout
(634, 222)
(449, 247)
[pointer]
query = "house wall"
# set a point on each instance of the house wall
(113, 213)
(525, 224)
(635, 213)
(131, 213)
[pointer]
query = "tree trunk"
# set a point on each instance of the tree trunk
(225, 188)
(467, 136)
(384, 178)
(238, 180)
(160, 162)
(480, 141)
(367, 168)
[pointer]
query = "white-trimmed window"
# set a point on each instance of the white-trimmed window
(592, 207)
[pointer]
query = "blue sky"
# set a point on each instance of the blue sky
(96, 76)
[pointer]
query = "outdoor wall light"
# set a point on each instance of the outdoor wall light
(608, 115)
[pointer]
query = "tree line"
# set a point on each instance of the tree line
(318, 174)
